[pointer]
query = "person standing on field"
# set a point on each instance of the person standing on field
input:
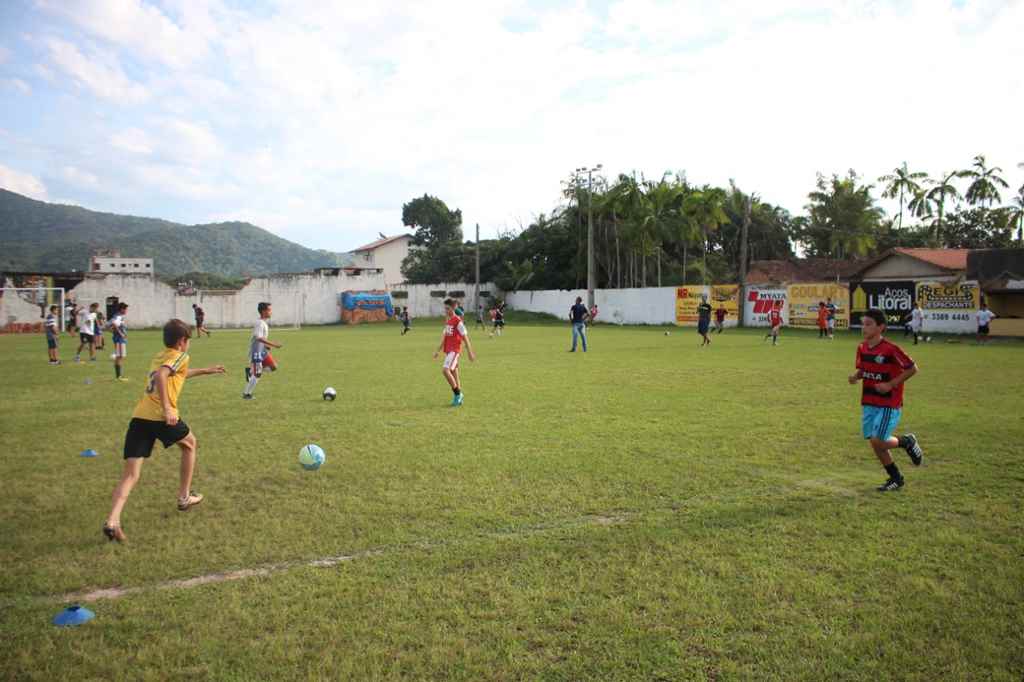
(579, 315)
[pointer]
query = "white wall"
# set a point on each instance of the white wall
(652, 305)
(306, 298)
(422, 304)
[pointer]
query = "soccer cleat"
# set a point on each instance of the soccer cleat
(247, 396)
(186, 503)
(457, 400)
(891, 484)
(114, 533)
(122, 378)
(913, 448)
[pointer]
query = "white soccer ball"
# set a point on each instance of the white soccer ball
(113, 356)
(330, 393)
(667, 333)
(927, 339)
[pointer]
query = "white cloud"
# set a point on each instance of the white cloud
(19, 85)
(190, 140)
(102, 74)
(132, 140)
(79, 177)
(22, 183)
(5, 54)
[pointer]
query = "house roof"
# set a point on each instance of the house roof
(800, 270)
(954, 260)
(380, 242)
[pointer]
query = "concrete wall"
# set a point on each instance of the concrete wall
(422, 304)
(305, 298)
(652, 305)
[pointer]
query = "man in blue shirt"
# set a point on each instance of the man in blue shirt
(578, 315)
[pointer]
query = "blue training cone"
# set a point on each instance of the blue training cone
(89, 452)
(73, 615)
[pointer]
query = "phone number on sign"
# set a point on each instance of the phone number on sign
(948, 316)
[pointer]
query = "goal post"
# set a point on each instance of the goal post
(23, 310)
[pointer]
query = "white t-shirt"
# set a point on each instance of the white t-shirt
(261, 330)
(984, 317)
(87, 323)
(118, 326)
(916, 318)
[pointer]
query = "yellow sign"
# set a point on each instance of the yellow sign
(687, 300)
(948, 296)
(804, 300)
(728, 297)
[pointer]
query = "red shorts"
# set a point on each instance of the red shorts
(269, 363)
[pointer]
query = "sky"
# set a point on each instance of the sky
(317, 120)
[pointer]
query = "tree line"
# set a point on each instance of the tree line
(669, 231)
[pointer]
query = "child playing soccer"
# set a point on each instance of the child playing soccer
(775, 320)
(52, 333)
(406, 322)
(87, 332)
(156, 417)
(704, 320)
(451, 343)
(259, 355)
(101, 321)
(985, 316)
(882, 369)
(822, 320)
(119, 333)
(200, 316)
(720, 314)
(831, 320)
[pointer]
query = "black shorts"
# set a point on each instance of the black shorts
(51, 341)
(983, 329)
(702, 327)
(85, 338)
(143, 433)
(199, 321)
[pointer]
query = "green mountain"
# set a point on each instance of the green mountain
(36, 236)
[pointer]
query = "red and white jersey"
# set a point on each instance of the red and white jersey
(454, 333)
(775, 317)
(884, 362)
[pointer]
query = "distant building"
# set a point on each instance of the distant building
(113, 262)
(938, 265)
(796, 270)
(386, 254)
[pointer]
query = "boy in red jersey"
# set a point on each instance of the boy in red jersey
(451, 343)
(883, 367)
(775, 320)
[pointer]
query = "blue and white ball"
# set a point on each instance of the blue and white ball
(311, 457)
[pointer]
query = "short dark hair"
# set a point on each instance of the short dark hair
(53, 308)
(174, 331)
(449, 301)
(122, 306)
(877, 315)
(263, 305)
(579, 299)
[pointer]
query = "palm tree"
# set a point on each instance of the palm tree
(901, 181)
(1015, 214)
(705, 210)
(943, 188)
(921, 205)
(659, 211)
(984, 188)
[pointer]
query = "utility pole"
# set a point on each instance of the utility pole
(476, 289)
(591, 266)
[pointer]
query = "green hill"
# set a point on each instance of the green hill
(37, 236)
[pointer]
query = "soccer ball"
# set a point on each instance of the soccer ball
(330, 393)
(311, 457)
(927, 339)
(666, 333)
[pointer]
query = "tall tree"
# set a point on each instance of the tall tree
(899, 183)
(941, 190)
(1015, 214)
(843, 220)
(705, 209)
(985, 182)
(434, 222)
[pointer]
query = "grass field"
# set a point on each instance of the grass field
(648, 510)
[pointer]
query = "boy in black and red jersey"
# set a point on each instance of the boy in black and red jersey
(883, 367)
(451, 343)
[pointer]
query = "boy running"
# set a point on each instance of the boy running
(200, 316)
(119, 333)
(822, 320)
(498, 315)
(480, 316)
(52, 333)
(259, 355)
(406, 322)
(831, 320)
(916, 321)
(156, 417)
(775, 320)
(720, 314)
(984, 317)
(882, 368)
(451, 343)
(86, 332)
(704, 320)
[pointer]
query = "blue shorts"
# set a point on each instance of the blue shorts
(702, 326)
(51, 341)
(878, 422)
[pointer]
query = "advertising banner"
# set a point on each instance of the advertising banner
(949, 307)
(895, 299)
(759, 303)
(728, 297)
(687, 300)
(803, 302)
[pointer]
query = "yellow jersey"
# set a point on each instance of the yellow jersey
(150, 406)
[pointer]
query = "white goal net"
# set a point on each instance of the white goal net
(23, 310)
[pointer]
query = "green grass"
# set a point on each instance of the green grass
(648, 510)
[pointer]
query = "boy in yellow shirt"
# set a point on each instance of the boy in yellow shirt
(156, 417)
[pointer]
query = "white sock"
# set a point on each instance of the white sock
(251, 385)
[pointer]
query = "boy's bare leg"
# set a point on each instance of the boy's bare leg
(129, 477)
(882, 448)
(188, 464)
(451, 378)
